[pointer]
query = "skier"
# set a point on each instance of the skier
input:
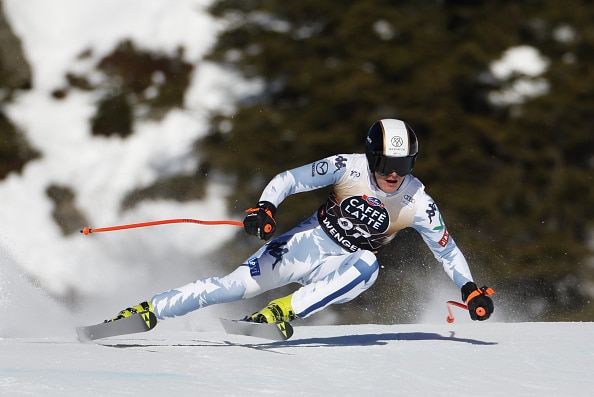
(332, 253)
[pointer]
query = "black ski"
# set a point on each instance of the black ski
(138, 322)
(273, 331)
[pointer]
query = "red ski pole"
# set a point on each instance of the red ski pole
(87, 230)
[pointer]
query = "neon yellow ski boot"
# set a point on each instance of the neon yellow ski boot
(140, 308)
(277, 310)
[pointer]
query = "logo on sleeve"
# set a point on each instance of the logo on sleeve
(320, 168)
(254, 267)
(277, 250)
(340, 163)
(431, 211)
(445, 238)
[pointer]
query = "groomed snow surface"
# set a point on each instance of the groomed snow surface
(487, 359)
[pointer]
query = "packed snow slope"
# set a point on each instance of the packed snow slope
(486, 359)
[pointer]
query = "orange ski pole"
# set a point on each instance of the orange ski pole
(87, 230)
(450, 317)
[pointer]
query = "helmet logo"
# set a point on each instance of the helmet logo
(397, 141)
(395, 138)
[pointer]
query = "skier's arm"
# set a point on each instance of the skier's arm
(260, 219)
(316, 175)
(429, 223)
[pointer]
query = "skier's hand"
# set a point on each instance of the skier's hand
(260, 220)
(480, 306)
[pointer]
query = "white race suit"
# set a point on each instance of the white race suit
(332, 253)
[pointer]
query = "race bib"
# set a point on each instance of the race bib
(358, 222)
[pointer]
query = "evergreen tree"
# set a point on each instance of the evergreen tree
(513, 180)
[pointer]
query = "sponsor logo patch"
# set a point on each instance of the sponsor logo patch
(445, 238)
(407, 200)
(374, 202)
(254, 267)
(339, 163)
(320, 168)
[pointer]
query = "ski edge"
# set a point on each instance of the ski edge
(279, 331)
(136, 323)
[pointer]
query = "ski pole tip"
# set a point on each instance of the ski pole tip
(86, 230)
(450, 319)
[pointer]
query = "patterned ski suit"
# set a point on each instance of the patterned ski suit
(331, 254)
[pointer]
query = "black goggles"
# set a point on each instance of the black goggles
(401, 165)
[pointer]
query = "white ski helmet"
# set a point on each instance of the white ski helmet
(391, 145)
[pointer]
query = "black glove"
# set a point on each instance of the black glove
(260, 220)
(480, 306)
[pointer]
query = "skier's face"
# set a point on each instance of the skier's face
(388, 183)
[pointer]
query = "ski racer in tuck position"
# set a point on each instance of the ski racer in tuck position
(332, 253)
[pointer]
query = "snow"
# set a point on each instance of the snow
(521, 59)
(528, 64)
(489, 359)
(100, 170)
